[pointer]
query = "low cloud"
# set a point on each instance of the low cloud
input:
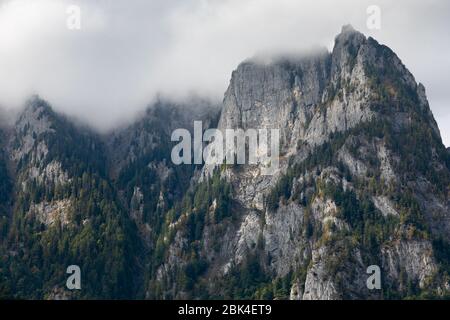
(128, 52)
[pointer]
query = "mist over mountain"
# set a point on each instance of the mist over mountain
(363, 180)
(125, 55)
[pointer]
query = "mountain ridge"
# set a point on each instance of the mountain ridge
(364, 179)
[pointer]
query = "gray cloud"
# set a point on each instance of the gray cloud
(127, 52)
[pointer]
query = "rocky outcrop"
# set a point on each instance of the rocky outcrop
(413, 258)
(385, 206)
(51, 213)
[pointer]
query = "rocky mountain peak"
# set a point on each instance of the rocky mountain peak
(36, 117)
(346, 48)
(349, 34)
(348, 28)
(36, 104)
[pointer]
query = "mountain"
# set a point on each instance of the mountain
(74, 197)
(363, 180)
(65, 212)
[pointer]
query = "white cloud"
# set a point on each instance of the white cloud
(128, 51)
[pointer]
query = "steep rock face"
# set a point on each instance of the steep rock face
(307, 99)
(363, 179)
(413, 257)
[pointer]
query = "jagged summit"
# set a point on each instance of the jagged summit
(34, 102)
(347, 33)
(349, 30)
(36, 113)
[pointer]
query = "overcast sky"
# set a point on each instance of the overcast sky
(128, 51)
